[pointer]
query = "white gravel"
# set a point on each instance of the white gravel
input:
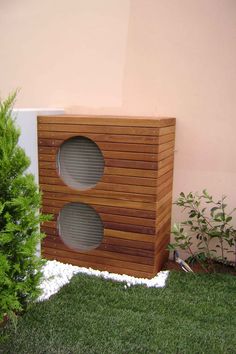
(58, 274)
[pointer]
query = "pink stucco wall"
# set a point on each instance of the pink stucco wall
(145, 57)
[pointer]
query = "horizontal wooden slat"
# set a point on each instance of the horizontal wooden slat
(146, 249)
(119, 171)
(102, 267)
(100, 201)
(146, 165)
(164, 170)
(119, 163)
(147, 241)
(128, 235)
(135, 172)
(112, 138)
(143, 245)
(162, 216)
(99, 259)
(134, 139)
(165, 154)
(168, 182)
(58, 244)
(97, 129)
(163, 178)
(163, 221)
(162, 193)
(123, 155)
(138, 181)
(163, 139)
(163, 241)
(160, 260)
(109, 120)
(109, 162)
(163, 200)
(47, 164)
(167, 161)
(117, 241)
(166, 226)
(47, 157)
(140, 252)
(128, 188)
(167, 204)
(166, 146)
(55, 205)
(118, 226)
(111, 245)
(108, 217)
(130, 228)
(118, 146)
(127, 220)
(144, 148)
(109, 194)
(166, 130)
(145, 161)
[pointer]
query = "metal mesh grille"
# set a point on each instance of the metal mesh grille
(80, 227)
(80, 163)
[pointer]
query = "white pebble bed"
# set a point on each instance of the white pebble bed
(58, 274)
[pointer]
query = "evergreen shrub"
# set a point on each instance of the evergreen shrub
(20, 200)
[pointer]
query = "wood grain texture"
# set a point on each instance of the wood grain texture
(133, 198)
(102, 267)
(147, 230)
(166, 130)
(107, 120)
(108, 217)
(107, 194)
(132, 139)
(128, 188)
(122, 155)
(133, 172)
(132, 238)
(57, 244)
(100, 201)
(97, 129)
(101, 259)
(129, 147)
(56, 205)
(112, 162)
(160, 259)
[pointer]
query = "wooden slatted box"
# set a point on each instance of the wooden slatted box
(133, 197)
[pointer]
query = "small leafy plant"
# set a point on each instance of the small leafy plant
(20, 200)
(208, 234)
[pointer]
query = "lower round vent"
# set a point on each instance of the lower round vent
(80, 227)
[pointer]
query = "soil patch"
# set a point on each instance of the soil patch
(218, 268)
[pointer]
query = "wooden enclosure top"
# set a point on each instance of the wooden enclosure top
(108, 120)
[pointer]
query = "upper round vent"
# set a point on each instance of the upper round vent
(80, 163)
(80, 226)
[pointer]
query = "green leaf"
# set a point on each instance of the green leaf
(213, 210)
(219, 217)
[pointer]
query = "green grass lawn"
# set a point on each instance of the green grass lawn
(193, 314)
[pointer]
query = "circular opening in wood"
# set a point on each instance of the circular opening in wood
(80, 227)
(80, 163)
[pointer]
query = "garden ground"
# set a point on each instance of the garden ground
(194, 313)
